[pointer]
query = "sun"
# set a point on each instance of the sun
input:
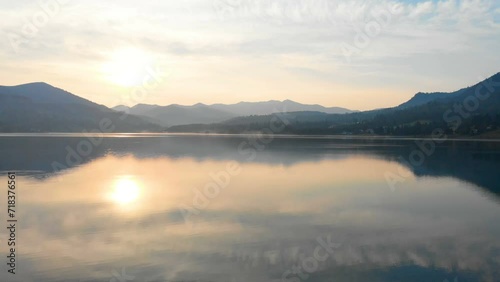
(125, 191)
(127, 67)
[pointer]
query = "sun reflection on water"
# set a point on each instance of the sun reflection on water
(125, 191)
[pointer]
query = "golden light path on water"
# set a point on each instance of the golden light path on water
(125, 191)
(126, 211)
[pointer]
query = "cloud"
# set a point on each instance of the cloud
(193, 33)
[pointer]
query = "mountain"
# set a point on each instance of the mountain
(273, 106)
(423, 98)
(177, 114)
(40, 107)
(469, 111)
(206, 114)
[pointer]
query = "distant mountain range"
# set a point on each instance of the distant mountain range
(470, 111)
(39, 107)
(207, 114)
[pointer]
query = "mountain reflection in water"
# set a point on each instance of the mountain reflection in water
(138, 205)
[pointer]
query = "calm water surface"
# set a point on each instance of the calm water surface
(229, 208)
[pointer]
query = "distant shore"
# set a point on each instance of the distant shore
(490, 136)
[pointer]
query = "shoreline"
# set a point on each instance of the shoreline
(281, 136)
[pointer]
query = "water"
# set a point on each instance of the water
(229, 208)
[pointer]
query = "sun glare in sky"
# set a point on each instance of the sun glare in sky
(356, 54)
(127, 67)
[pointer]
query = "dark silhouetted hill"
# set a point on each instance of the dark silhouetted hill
(474, 110)
(40, 107)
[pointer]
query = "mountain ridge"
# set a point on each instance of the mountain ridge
(174, 114)
(460, 112)
(40, 107)
(422, 98)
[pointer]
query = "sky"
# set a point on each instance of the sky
(355, 54)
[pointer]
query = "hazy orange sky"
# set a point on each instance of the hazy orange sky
(354, 54)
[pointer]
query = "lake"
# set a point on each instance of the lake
(154, 207)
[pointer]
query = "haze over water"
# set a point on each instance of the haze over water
(295, 209)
